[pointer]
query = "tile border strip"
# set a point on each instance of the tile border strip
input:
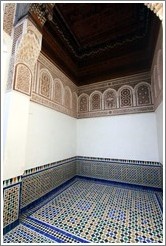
(120, 161)
(47, 166)
(57, 240)
(10, 226)
(12, 181)
(119, 183)
(82, 240)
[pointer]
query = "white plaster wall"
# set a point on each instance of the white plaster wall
(123, 137)
(159, 124)
(51, 136)
(5, 58)
(16, 124)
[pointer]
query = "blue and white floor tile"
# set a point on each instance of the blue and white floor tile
(89, 211)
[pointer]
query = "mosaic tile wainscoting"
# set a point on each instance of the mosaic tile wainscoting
(11, 203)
(24, 191)
(144, 173)
(37, 183)
(85, 199)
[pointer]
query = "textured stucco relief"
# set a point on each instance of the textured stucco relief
(67, 100)
(23, 77)
(8, 17)
(25, 50)
(160, 68)
(157, 71)
(117, 98)
(125, 95)
(17, 32)
(143, 94)
(96, 101)
(56, 73)
(83, 103)
(51, 90)
(45, 83)
(58, 91)
(155, 81)
(110, 99)
(29, 47)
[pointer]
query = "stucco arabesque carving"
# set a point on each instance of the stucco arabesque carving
(29, 47)
(27, 50)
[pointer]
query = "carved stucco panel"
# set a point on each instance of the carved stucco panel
(23, 79)
(143, 94)
(160, 68)
(75, 102)
(58, 91)
(110, 99)
(125, 96)
(96, 101)
(67, 100)
(8, 17)
(45, 83)
(28, 45)
(83, 103)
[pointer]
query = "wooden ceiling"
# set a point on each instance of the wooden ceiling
(92, 42)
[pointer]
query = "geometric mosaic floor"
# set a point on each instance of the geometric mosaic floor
(90, 211)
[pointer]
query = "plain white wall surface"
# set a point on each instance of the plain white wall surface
(131, 136)
(51, 136)
(17, 108)
(5, 102)
(159, 124)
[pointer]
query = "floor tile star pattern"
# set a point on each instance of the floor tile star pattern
(91, 211)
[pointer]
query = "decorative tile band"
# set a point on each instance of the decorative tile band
(47, 166)
(12, 181)
(121, 161)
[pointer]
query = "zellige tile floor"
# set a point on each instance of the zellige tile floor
(91, 211)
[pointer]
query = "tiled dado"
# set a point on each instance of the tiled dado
(11, 202)
(21, 192)
(143, 173)
(36, 185)
(18, 192)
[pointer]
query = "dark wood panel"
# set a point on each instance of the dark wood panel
(91, 42)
